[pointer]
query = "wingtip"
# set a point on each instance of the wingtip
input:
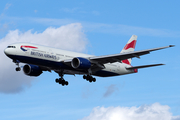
(160, 64)
(171, 45)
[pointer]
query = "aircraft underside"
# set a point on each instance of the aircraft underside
(59, 68)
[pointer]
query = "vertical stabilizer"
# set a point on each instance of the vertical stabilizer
(130, 46)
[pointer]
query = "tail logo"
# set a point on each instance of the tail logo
(129, 48)
(130, 45)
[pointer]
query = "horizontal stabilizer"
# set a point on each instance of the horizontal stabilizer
(144, 66)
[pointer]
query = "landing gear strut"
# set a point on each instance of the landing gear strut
(89, 78)
(61, 80)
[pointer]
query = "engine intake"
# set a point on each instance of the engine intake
(32, 70)
(80, 63)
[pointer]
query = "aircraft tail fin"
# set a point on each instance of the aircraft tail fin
(129, 47)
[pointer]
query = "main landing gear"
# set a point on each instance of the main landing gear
(61, 80)
(89, 78)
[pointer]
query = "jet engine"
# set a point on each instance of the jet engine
(80, 63)
(32, 70)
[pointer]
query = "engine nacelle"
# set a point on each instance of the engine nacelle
(32, 70)
(80, 63)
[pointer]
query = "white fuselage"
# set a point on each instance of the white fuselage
(53, 59)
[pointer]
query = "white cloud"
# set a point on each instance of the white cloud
(145, 112)
(3, 27)
(100, 27)
(129, 30)
(112, 28)
(69, 37)
(46, 21)
(7, 6)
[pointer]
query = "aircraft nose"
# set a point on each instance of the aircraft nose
(6, 51)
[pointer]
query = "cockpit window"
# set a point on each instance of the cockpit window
(11, 47)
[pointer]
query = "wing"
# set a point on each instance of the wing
(123, 56)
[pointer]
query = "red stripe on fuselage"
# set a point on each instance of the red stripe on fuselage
(28, 46)
(130, 45)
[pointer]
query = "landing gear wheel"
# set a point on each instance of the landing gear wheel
(60, 81)
(63, 82)
(94, 79)
(57, 80)
(84, 77)
(18, 69)
(66, 83)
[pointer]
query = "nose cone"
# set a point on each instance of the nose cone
(6, 51)
(9, 51)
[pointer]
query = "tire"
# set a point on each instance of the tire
(18, 69)
(66, 83)
(94, 79)
(90, 80)
(57, 80)
(84, 77)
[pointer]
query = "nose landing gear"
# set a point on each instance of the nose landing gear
(17, 63)
(18, 69)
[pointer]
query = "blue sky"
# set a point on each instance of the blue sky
(104, 27)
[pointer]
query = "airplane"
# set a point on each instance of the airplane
(38, 58)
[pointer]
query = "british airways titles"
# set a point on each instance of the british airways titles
(44, 55)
